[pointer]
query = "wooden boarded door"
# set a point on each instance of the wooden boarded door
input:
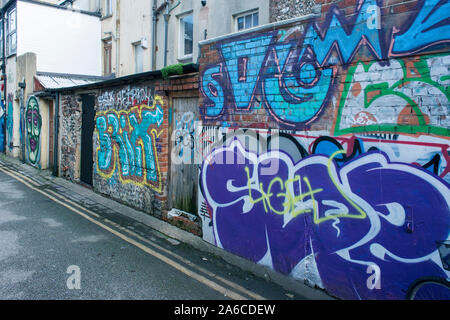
(184, 171)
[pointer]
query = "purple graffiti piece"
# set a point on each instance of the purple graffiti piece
(242, 233)
(339, 221)
(352, 216)
(35, 118)
(400, 194)
(349, 280)
(241, 221)
(287, 239)
(29, 117)
(289, 243)
(33, 144)
(286, 236)
(413, 196)
(281, 202)
(233, 164)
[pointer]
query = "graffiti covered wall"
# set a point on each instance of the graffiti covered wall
(33, 126)
(10, 123)
(130, 142)
(2, 126)
(346, 152)
(129, 150)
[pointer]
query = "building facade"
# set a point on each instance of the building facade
(68, 43)
(316, 145)
(140, 35)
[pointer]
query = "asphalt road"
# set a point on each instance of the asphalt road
(42, 237)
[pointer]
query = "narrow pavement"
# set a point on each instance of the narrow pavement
(44, 237)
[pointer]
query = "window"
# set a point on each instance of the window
(247, 21)
(138, 58)
(11, 36)
(186, 36)
(107, 48)
(108, 8)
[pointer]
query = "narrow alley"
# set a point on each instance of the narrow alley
(44, 236)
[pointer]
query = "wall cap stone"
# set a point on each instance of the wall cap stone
(259, 28)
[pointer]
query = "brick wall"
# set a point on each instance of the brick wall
(353, 107)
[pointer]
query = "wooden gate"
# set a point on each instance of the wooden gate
(184, 172)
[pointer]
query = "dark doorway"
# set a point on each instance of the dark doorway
(51, 134)
(87, 131)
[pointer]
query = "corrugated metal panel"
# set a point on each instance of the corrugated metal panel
(58, 82)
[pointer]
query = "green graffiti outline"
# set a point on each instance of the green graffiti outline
(290, 200)
(384, 89)
(362, 214)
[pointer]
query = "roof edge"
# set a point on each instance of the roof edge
(90, 13)
(259, 28)
(149, 75)
(73, 76)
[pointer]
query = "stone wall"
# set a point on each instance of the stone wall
(70, 137)
(286, 9)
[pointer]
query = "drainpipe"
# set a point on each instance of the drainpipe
(56, 135)
(117, 38)
(166, 31)
(154, 17)
(166, 27)
(3, 67)
(156, 11)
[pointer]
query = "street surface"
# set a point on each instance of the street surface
(52, 248)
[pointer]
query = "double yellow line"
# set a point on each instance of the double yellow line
(236, 293)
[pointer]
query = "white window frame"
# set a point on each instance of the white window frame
(107, 58)
(181, 47)
(11, 32)
(243, 15)
(138, 60)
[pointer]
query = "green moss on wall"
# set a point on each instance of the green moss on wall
(174, 69)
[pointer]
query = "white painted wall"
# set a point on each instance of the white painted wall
(88, 5)
(217, 18)
(64, 41)
(136, 19)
